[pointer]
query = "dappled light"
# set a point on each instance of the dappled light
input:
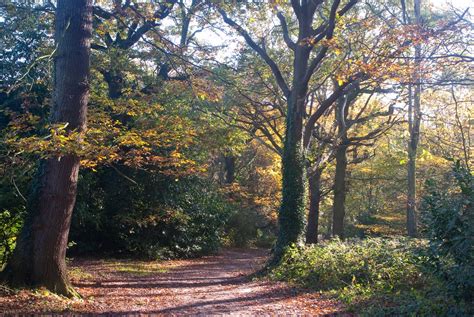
(193, 157)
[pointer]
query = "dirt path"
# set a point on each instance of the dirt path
(214, 285)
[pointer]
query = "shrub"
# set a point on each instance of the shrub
(448, 218)
(157, 217)
(10, 225)
(375, 276)
(382, 263)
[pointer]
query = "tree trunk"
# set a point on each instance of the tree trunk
(229, 166)
(414, 121)
(339, 192)
(338, 209)
(292, 214)
(115, 82)
(291, 218)
(313, 213)
(39, 257)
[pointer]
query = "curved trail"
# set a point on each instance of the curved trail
(213, 285)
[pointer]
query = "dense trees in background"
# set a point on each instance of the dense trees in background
(297, 132)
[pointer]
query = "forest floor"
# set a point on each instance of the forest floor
(212, 285)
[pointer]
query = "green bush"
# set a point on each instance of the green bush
(246, 227)
(156, 217)
(375, 276)
(448, 218)
(10, 225)
(382, 263)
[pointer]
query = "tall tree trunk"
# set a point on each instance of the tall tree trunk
(291, 218)
(339, 192)
(314, 201)
(338, 209)
(39, 257)
(414, 119)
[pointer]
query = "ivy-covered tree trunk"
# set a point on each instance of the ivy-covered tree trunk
(312, 228)
(292, 215)
(39, 257)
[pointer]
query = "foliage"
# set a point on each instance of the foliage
(10, 225)
(154, 217)
(377, 276)
(162, 115)
(250, 225)
(448, 217)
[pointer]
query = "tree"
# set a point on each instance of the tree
(124, 18)
(426, 57)
(291, 215)
(40, 255)
(355, 141)
(414, 121)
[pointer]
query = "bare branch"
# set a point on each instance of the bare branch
(286, 35)
(261, 51)
(320, 111)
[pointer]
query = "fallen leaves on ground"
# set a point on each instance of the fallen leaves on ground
(212, 285)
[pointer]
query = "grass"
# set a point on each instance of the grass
(77, 273)
(140, 269)
(381, 225)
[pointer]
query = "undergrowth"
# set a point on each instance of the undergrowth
(375, 276)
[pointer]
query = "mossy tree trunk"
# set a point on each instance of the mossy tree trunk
(291, 217)
(40, 254)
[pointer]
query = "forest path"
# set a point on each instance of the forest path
(212, 285)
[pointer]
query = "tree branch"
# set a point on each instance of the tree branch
(263, 54)
(328, 33)
(286, 35)
(320, 111)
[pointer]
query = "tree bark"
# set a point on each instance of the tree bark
(313, 213)
(39, 257)
(229, 166)
(338, 210)
(115, 82)
(414, 121)
(339, 192)
(291, 218)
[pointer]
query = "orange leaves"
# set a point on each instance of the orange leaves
(206, 90)
(130, 131)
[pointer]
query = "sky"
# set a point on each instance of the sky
(460, 4)
(217, 38)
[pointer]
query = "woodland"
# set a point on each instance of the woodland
(206, 157)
